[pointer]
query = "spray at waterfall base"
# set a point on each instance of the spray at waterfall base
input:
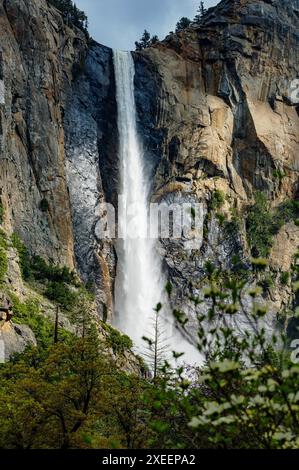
(164, 222)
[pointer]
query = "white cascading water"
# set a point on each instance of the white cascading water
(139, 282)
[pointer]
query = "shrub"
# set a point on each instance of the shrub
(28, 313)
(62, 294)
(217, 199)
(42, 271)
(3, 256)
(260, 226)
(35, 267)
(71, 14)
(284, 278)
(262, 223)
(24, 256)
(118, 342)
(1, 212)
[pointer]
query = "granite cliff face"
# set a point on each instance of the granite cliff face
(222, 122)
(214, 112)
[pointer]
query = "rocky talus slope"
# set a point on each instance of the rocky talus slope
(218, 124)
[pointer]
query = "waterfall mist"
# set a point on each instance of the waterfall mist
(139, 282)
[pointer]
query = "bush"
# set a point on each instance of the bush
(262, 223)
(1, 212)
(284, 279)
(24, 256)
(3, 256)
(71, 14)
(42, 271)
(118, 342)
(218, 199)
(28, 314)
(35, 267)
(62, 294)
(245, 394)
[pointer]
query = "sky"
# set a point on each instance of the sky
(119, 23)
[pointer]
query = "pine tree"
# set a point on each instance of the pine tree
(72, 15)
(146, 41)
(183, 23)
(200, 13)
(157, 348)
(154, 40)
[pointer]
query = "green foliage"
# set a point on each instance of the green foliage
(28, 313)
(1, 212)
(146, 41)
(284, 279)
(263, 223)
(71, 14)
(217, 199)
(260, 226)
(118, 342)
(72, 396)
(35, 267)
(24, 256)
(3, 256)
(246, 394)
(62, 294)
(280, 175)
(221, 218)
(59, 281)
(200, 13)
(42, 271)
(182, 24)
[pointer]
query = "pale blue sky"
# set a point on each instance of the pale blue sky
(119, 23)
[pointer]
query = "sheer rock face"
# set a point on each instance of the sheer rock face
(50, 182)
(215, 111)
(37, 56)
(92, 168)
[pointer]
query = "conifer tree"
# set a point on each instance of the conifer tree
(157, 347)
(146, 41)
(200, 12)
(183, 23)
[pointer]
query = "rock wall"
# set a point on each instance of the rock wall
(37, 56)
(55, 88)
(214, 113)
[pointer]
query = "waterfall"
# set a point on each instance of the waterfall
(139, 281)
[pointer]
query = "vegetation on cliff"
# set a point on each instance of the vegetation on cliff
(263, 223)
(147, 40)
(3, 255)
(72, 15)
